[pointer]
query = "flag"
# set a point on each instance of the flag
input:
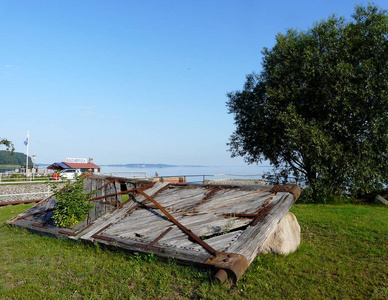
(26, 141)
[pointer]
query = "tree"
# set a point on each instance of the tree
(9, 146)
(16, 159)
(319, 108)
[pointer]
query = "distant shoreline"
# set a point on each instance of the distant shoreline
(141, 166)
(174, 166)
(150, 165)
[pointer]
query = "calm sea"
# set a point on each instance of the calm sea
(193, 173)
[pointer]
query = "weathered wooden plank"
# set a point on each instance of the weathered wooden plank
(186, 203)
(98, 208)
(186, 199)
(223, 242)
(117, 215)
(41, 206)
(254, 237)
(117, 186)
(178, 240)
(140, 223)
(87, 185)
(130, 185)
(27, 224)
(217, 225)
(180, 198)
(94, 185)
(148, 225)
(234, 200)
(186, 256)
(210, 226)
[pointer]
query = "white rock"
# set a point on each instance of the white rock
(381, 200)
(286, 237)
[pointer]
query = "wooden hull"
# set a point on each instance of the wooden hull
(222, 227)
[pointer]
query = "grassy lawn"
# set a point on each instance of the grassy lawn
(344, 254)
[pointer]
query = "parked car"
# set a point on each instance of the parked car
(67, 174)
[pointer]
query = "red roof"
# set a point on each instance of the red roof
(81, 165)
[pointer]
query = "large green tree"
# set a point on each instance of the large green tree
(320, 105)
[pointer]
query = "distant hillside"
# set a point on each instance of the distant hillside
(17, 159)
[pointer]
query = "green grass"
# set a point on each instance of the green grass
(344, 254)
(124, 198)
(9, 166)
(38, 180)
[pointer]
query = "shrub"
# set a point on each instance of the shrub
(71, 204)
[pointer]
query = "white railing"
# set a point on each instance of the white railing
(6, 174)
(8, 178)
(237, 175)
(128, 174)
(47, 193)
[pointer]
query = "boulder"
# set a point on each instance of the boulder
(381, 200)
(286, 237)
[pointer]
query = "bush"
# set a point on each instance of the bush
(71, 204)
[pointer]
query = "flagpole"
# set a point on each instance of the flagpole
(28, 145)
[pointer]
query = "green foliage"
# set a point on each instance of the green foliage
(71, 203)
(143, 257)
(17, 176)
(16, 159)
(9, 146)
(306, 197)
(319, 108)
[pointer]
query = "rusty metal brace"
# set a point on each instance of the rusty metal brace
(101, 237)
(19, 202)
(122, 193)
(261, 213)
(97, 235)
(294, 189)
(112, 203)
(196, 238)
(151, 245)
(106, 184)
(67, 232)
(257, 216)
(229, 265)
(213, 191)
(75, 233)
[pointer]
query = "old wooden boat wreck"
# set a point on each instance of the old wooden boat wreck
(223, 227)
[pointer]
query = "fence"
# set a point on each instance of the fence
(184, 178)
(36, 186)
(24, 191)
(128, 174)
(8, 174)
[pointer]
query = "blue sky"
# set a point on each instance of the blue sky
(136, 81)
